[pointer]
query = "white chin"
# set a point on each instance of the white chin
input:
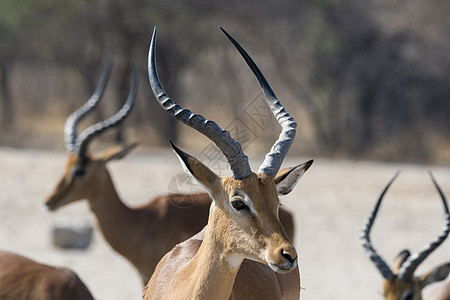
(281, 270)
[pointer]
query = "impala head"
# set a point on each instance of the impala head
(399, 282)
(83, 168)
(245, 206)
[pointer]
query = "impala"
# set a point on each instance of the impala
(143, 234)
(23, 278)
(243, 252)
(399, 282)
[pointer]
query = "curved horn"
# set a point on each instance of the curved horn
(222, 138)
(381, 265)
(70, 128)
(407, 269)
(86, 136)
(274, 158)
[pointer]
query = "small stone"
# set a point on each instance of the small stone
(72, 234)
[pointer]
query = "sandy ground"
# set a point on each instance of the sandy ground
(330, 205)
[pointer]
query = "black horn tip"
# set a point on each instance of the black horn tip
(223, 30)
(441, 193)
(235, 43)
(152, 40)
(390, 183)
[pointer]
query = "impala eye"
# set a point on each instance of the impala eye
(408, 295)
(239, 205)
(78, 172)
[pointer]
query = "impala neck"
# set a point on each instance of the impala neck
(213, 269)
(115, 219)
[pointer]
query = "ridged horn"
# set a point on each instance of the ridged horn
(232, 150)
(86, 136)
(274, 158)
(407, 269)
(381, 265)
(70, 128)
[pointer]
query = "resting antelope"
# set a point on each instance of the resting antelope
(23, 278)
(143, 234)
(399, 281)
(243, 253)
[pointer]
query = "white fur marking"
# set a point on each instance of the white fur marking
(249, 203)
(234, 261)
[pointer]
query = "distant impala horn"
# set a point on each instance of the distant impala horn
(406, 271)
(78, 143)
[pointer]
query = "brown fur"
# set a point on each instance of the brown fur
(23, 278)
(212, 265)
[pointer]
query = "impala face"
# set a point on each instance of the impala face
(397, 289)
(253, 211)
(248, 209)
(80, 174)
(72, 186)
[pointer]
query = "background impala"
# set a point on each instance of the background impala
(23, 278)
(399, 280)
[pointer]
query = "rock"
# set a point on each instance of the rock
(72, 234)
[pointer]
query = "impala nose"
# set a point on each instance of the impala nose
(288, 256)
(284, 260)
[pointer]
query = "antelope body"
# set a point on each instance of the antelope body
(399, 282)
(141, 234)
(440, 291)
(243, 253)
(23, 278)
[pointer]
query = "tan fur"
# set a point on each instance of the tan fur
(23, 278)
(200, 267)
(394, 288)
(143, 234)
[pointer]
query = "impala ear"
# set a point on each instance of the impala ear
(117, 152)
(286, 179)
(399, 260)
(437, 274)
(196, 171)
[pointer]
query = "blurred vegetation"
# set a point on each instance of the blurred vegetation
(365, 79)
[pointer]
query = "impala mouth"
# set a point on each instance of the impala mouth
(283, 268)
(52, 204)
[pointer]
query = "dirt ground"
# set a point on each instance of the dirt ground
(330, 204)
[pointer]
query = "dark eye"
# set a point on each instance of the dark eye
(239, 205)
(78, 171)
(408, 295)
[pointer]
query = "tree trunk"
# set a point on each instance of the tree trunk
(7, 114)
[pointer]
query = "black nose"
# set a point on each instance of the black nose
(287, 256)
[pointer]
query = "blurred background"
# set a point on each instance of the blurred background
(364, 79)
(367, 81)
